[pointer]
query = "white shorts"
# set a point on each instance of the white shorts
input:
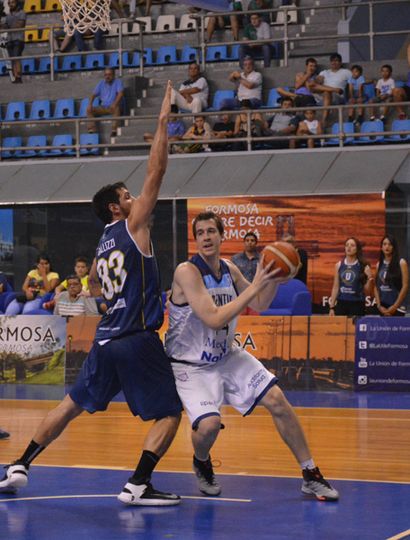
(239, 380)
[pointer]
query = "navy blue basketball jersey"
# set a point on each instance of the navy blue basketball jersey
(350, 287)
(388, 292)
(130, 285)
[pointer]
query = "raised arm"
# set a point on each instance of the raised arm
(93, 281)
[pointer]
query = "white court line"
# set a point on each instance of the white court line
(100, 496)
(403, 534)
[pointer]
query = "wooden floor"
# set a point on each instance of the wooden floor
(346, 443)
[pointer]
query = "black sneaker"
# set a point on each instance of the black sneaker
(4, 434)
(314, 484)
(207, 482)
(146, 495)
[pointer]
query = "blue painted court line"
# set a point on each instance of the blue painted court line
(298, 398)
(66, 503)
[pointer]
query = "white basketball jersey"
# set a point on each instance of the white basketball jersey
(188, 338)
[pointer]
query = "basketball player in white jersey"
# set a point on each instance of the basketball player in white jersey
(208, 294)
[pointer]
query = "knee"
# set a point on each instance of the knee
(209, 426)
(275, 401)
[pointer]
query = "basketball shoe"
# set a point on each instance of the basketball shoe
(146, 495)
(207, 482)
(314, 484)
(4, 434)
(14, 478)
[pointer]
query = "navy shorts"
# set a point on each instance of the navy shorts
(136, 364)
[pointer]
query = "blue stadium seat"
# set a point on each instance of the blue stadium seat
(89, 138)
(367, 128)
(4, 67)
(71, 63)
(10, 143)
(399, 125)
(219, 96)
(348, 127)
(273, 99)
(44, 65)
(94, 61)
(114, 60)
(369, 91)
(16, 110)
(399, 84)
(36, 140)
(62, 140)
(292, 298)
(148, 58)
(216, 53)
(40, 110)
(188, 55)
(167, 55)
(84, 104)
(5, 299)
(64, 108)
(234, 52)
(28, 65)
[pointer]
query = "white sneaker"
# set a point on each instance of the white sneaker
(146, 495)
(314, 484)
(15, 478)
(207, 483)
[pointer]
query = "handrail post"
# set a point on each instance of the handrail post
(52, 54)
(77, 138)
(285, 38)
(371, 31)
(202, 44)
(341, 130)
(141, 41)
(248, 131)
(120, 66)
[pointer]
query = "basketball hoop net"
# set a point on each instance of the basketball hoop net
(83, 15)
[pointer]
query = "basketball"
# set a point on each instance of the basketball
(285, 256)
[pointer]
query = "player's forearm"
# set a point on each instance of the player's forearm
(264, 299)
(94, 286)
(158, 157)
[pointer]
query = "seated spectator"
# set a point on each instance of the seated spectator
(258, 125)
(222, 21)
(198, 131)
(81, 270)
(283, 123)
(98, 39)
(309, 126)
(403, 94)
(356, 94)
(247, 260)
(223, 130)
(261, 4)
(384, 92)
(249, 87)
(193, 93)
(72, 302)
(60, 35)
(336, 78)
(16, 18)
(255, 31)
(110, 91)
(41, 279)
(304, 86)
(176, 128)
(303, 256)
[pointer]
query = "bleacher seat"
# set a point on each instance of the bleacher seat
(16, 110)
(273, 99)
(36, 140)
(4, 67)
(369, 91)
(71, 63)
(399, 84)
(148, 58)
(147, 27)
(399, 125)
(292, 16)
(165, 23)
(186, 22)
(40, 110)
(348, 127)
(367, 128)
(234, 52)
(44, 34)
(33, 6)
(219, 96)
(28, 65)
(292, 298)
(94, 61)
(44, 65)
(32, 36)
(114, 60)
(5, 299)
(64, 108)
(62, 140)
(216, 53)
(188, 55)
(167, 55)
(89, 138)
(52, 5)
(9, 143)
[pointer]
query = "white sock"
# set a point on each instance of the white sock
(308, 464)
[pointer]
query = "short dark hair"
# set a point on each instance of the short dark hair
(285, 98)
(44, 257)
(310, 60)
(205, 216)
(250, 233)
(246, 104)
(388, 66)
(104, 197)
(73, 276)
(81, 260)
(358, 68)
(335, 56)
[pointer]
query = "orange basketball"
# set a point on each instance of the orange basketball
(285, 256)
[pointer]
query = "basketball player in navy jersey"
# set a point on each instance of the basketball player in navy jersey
(208, 294)
(127, 353)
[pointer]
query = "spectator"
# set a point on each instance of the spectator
(110, 91)
(356, 95)
(336, 78)
(193, 93)
(98, 39)
(392, 280)
(283, 123)
(224, 129)
(384, 92)
(403, 94)
(81, 270)
(60, 35)
(247, 260)
(199, 130)
(258, 125)
(309, 126)
(4, 434)
(15, 40)
(261, 4)
(249, 87)
(4, 284)
(234, 20)
(352, 281)
(303, 270)
(41, 279)
(255, 31)
(176, 128)
(72, 302)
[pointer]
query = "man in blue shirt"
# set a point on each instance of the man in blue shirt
(110, 92)
(247, 261)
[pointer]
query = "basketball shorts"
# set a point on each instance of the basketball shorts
(239, 380)
(136, 364)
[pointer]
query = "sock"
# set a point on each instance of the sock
(146, 465)
(202, 465)
(308, 464)
(31, 452)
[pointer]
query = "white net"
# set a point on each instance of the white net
(84, 15)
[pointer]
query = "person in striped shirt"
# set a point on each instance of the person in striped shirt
(70, 302)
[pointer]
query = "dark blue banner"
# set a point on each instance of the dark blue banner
(382, 355)
(212, 5)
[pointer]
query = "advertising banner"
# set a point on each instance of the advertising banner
(32, 349)
(382, 358)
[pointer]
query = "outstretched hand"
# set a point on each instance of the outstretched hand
(266, 274)
(166, 103)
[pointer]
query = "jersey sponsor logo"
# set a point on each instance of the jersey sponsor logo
(257, 379)
(119, 304)
(105, 246)
(206, 403)
(221, 299)
(210, 357)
